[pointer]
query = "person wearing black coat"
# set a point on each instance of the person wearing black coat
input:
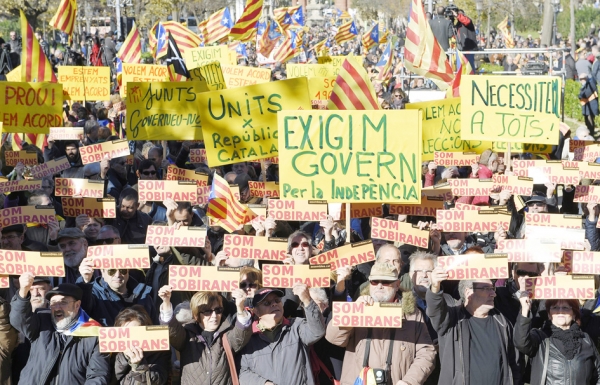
(588, 98)
(561, 353)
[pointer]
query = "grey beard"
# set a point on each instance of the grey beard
(380, 298)
(75, 260)
(63, 324)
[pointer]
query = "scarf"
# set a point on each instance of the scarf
(569, 340)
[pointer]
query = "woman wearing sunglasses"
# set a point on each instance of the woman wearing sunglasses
(560, 352)
(207, 346)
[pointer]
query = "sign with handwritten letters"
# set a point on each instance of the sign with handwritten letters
(319, 89)
(516, 109)
(211, 73)
(85, 83)
(200, 56)
(30, 107)
(242, 76)
(147, 73)
(309, 70)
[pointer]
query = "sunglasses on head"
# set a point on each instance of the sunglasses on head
(252, 285)
(208, 313)
(112, 272)
(106, 241)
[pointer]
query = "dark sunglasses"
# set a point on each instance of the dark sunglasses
(252, 285)
(538, 204)
(208, 313)
(149, 172)
(384, 283)
(303, 244)
(112, 272)
(525, 273)
(106, 241)
(269, 303)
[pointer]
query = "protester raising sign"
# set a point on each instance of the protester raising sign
(361, 315)
(203, 278)
(147, 338)
(399, 232)
(30, 107)
(475, 266)
(347, 255)
(561, 287)
(250, 247)
(286, 276)
(85, 83)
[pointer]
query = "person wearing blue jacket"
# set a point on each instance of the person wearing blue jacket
(588, 98)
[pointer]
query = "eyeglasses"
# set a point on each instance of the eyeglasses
(538, 204)
(10, 237)
(383, 283)
(561, 308)
(106, 241)
(397, 96)
(424, 272)
(149, 172)
(112, 272)
(488, 289)
(303, 244)
(60, 304)
(525, 273)
(208, 313)
(252, 285)
(269, 303)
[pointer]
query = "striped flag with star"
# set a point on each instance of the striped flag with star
(178, 71)
(346, 32)
(161, 42)
(185, 38)
(64, 19)
(463, 67)
(371, 38)
(321, 46)
(218, 26)
(222, 203)
(269, 39)
(384, 66)
(246, 24)
(352, 89)
(131, 50)
(35, 66)
(287, 49)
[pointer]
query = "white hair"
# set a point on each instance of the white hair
(421, 256)
(319, 294)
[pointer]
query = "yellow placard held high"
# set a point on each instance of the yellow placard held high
(85, 83)
(142, 73)
(212, 74)
(309, 70)
(350, 156)
(164, 111)
(516, 109)
(30, 107)
(319, 89)
(197, 57)
(241, 76)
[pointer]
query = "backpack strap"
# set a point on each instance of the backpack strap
(367, 349)
(388, 362)
(230, 360)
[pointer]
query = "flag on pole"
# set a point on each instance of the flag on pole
(503, 27)
(384, 37)
(161, 42)
(371, 37)
(131, 50)
(352, 89)
(239, 48)
(64, 19)
(246, 24)
(343, 14)
(321, 46)
(261, 27)
(297, 15)
(463, 67)
(287, 49)
(423, 54)
(184, 37)
(269, 39)
(35, 66)
(218, 26)
(346, 32)
(178, 71)
(384, 66)
(222, 204)
(202, 32)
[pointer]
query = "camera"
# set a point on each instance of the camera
(448, 11)
(380, 376)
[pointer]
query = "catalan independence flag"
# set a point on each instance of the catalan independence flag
(269, 39)
(223, 205)
(64, 19)
(384, 66)
(246, 25)
(463, 67)
(84, 327)
(161, 42)
(371, 38)
(185, 38)
(287, 49)
(320, 47)
(131, 50)
(218, 26)
(346, 32)
(35, 66)
(352, 89)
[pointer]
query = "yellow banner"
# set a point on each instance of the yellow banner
(14, 75)
(85, 83)
(16, 262)
(210, 73)
(96, 152)
(361, 315)
(160, 190)
(164, 111)
(142, 73)
(250, 247)
(30, 107)
(522, 147)
(347, 255)
(241, 124)
(242, 76)
(516, 109)
(28, 158)
(204, 278)
(185, 236)
(27, 214)
(561, 287)
(75, 187)
(350, 156)
(286, 276)
(309, 70)
(399, 232)
(319, 89)
(335, 61)
(51, 167)
(475, 266)
(441, 128)
(92, 207)
(147, 338)
(197, 57)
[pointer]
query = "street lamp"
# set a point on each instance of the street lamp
(557, 9)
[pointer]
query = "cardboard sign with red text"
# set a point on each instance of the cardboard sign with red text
(466, 206)
(28, 158)
(84, 188)
(7, 186)
(286, 276)
(264, 189)
(185, 236)
(547, 171)
(587, 152)
(447, 159)
(587, 194)
(471, 221)
(197, 155)
(204, 278)
(475, 266)
(470, 187)
(589, 170)
(51, 167)
(161, 190)
(569, 239)
(347, 255)
(176, 173)
(297, 210)
(399, 232)
(586, 262)
(517, 185)
(250, 247)
(96, 152)
(27, 214)
(17, 262)
(120, 256)
(147, 338)
(573, 144)
(561, 287)
(427, 208)
(65, 133)
(337, 211)
(203, 194)
(4, 281)
(260, 212)
(441, 191)
(569, 221)
(359, 314)
(92, 207)
(530, 250)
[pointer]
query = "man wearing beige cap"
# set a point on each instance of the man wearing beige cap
(406, 355)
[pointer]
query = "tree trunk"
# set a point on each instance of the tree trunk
(572, 31)
(547, 26)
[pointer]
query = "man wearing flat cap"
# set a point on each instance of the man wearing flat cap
(64, 349)
(72, 243)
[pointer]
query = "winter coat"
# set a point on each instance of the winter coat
(285, 361)
(453, 340)
(203, 363)
(79, 363)
(133, 231)
(413, 356)
(8, 343)
(588, 97)
(104, 304)
(583, 369)
(442, 30)
(153, 370)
